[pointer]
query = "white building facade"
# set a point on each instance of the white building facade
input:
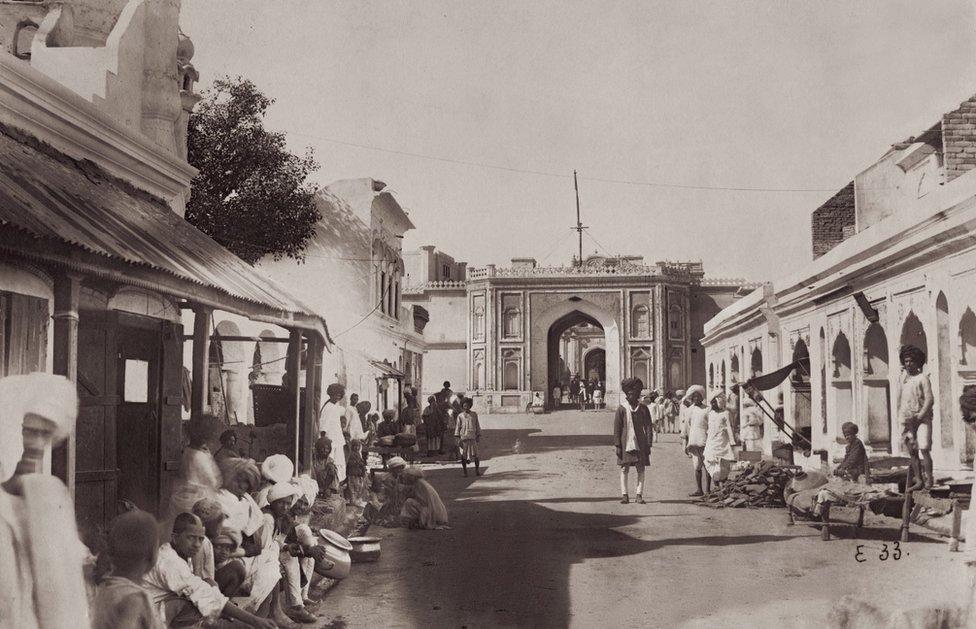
(900, 271)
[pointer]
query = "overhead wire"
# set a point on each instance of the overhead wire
(543, 173)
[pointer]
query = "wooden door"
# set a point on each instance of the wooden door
(138, 414)
(96, 467)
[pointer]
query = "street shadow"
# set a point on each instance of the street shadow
(506, 562)
(501, 442)
(503, 564)
(581, 499)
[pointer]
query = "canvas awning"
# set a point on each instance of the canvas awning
(388, 370)
(773, 379)
(73, 214)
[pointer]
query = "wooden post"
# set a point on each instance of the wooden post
(956, 525)
(906, 510)
(67, 287)
(295, 388)
(313, 366)
(201, 356)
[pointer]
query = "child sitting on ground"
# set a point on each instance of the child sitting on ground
(357, 493)
(229, 568)
(120, 600)
(855, 463)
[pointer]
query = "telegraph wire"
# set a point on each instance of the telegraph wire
(542, 173)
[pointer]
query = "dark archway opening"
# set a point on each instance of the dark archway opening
(566, 353)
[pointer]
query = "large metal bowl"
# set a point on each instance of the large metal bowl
(364, 549)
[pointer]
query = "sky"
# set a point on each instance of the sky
(476, 113)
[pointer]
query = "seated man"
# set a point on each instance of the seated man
(181, 598)
(855, 466)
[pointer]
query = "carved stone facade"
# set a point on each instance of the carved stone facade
(646, 319)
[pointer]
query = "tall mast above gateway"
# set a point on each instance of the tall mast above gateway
(579, 225)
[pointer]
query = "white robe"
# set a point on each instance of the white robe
(330, 421)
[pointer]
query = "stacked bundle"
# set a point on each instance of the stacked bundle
(758, 485)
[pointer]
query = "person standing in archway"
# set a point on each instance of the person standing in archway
(632, 437)
(915, 402)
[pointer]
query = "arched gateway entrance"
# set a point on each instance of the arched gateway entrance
(572, 325)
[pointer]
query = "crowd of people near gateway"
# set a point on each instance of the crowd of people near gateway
(239, 542)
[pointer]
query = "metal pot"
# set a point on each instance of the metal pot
(337, 549)
(364, 549)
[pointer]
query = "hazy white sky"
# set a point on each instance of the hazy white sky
(777, 94)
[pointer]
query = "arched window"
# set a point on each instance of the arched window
(711, 376)
(640, 322)
(478, 370)
(642, 365)
(382, 292)
(756, 363)
(967, 338)
(734, 367)
(23, 36)
(511, 369)
(675, 322)
(512, 322)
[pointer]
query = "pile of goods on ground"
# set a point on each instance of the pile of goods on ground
(757, 485)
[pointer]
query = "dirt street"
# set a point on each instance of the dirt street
(541, 541)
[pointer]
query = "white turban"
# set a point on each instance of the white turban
(54, 398)
(309, 487)
(278, 491)
(695, 388)
(277, 468)
(396, 462)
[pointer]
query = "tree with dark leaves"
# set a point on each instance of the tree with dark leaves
(251, 195)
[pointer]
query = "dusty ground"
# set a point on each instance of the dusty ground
(541, 541)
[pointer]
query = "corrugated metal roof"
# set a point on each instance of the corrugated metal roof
(49, 195)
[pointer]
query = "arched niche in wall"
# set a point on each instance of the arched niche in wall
(756, 363)
(967, 338)
(877, 388)
(711, 376)
(734, 367)
(841, 384)
(913, 333)
(800, 391)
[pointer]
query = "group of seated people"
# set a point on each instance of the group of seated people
(247, 555)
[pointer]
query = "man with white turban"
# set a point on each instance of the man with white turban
(41, 577)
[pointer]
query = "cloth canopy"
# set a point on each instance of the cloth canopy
(773, 379)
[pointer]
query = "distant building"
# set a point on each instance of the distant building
(894, 264)
(353, 274)
(504, 335)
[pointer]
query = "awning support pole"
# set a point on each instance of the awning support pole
(295, 385)
(201, 352)
(67, 288)
(313, 367)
